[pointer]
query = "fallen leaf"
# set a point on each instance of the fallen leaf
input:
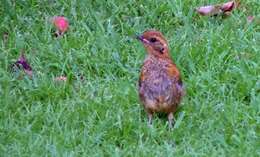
(209, 10)
(61, 78)
(218, 9)
(227, 7)
(250, 19)
(61, 23)
(23, 63)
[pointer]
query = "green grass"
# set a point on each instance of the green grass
(102, 116)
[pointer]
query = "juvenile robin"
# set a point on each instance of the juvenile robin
(160, 84)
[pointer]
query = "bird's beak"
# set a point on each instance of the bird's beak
(139, 37)
(142, 39)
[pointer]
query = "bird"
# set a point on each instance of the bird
(160, 86)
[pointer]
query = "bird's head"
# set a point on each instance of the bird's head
(155, 43)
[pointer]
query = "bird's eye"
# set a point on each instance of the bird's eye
(153, 40)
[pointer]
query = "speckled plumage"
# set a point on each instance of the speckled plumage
(160, 85)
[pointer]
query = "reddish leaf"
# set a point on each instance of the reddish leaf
(229, 6)
(217, 9)
(61, 78)
(209, 10)
(250, 19)
(61, 24)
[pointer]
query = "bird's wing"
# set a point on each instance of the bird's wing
(177, 86)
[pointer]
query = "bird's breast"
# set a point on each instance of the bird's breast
(158, 89)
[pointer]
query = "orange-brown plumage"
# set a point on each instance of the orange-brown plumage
(160, 85)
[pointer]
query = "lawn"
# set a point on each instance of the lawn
(96, 112)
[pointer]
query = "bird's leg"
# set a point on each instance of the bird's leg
(170, 120)
(150, 116)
